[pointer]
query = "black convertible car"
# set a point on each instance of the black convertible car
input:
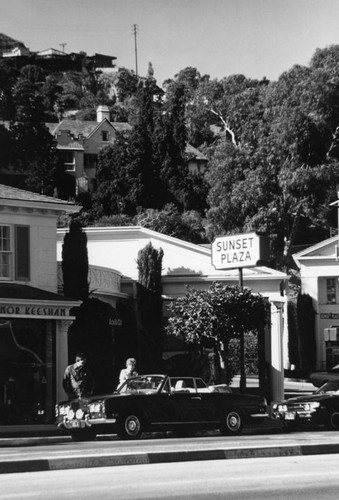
(320, 408)
(160, 403)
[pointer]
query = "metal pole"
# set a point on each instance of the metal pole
(242, 344)
(135, 31)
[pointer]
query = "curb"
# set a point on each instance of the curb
(81, 462)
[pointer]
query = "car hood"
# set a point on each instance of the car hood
(308, 398)
(93, 399)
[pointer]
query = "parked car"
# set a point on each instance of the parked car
(149, 403)
(320, 408)
(319, 378)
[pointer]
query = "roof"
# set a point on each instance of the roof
(85, 128)
(190, 150)
(326, 249)
(25, 292)
(119, 246)
(13, 196)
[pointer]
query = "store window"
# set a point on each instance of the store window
(27, 374)
(14, 252)
(5, 252)
(331, 291)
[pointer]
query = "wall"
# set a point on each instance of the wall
(43, 265)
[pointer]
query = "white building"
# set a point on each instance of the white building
(33, 318)
(185, 264)
(319, 272)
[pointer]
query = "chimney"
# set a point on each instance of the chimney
(102, 113)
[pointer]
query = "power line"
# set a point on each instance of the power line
(135, 32)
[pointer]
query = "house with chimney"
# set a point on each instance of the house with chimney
(80, 141)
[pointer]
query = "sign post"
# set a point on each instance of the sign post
(239, 251)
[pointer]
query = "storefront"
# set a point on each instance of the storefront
(34, 319)
(33, 334)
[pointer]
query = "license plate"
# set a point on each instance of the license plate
(76, 424)
(289, 416)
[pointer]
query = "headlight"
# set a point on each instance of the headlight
(79, 414)
(282, 408)
(63, 410)
(311, 406)
(70, 414)
(98, 407)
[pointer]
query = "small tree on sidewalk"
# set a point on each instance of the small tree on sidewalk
(216, 316)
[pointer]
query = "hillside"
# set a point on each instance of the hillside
(7, 43)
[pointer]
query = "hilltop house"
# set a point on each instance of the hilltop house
(79, 143)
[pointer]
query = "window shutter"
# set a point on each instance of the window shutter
(22, 254)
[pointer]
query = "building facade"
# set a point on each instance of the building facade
(34, 318)
(186, 264)
(319, 273)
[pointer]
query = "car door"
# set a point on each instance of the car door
(188, 403)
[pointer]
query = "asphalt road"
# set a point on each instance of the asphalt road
(113, 452)
(280, 478)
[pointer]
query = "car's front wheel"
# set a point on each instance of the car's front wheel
(333, 422)
(130, 426)
(231, 423)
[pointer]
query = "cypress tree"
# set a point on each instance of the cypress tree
(149, 308)
(75, 262)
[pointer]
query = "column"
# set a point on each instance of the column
(61, 357)
(277, 366)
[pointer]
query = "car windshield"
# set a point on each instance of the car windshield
(331, 386)
(143, 384)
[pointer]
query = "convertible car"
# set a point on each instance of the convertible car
(318, 409)
(149, 403)
(319, 378)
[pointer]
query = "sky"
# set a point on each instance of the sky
(256, 38)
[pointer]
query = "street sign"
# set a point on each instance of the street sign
(238, 250)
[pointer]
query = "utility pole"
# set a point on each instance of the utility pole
(63, 45)
(135, 32)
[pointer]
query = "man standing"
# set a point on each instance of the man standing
(78, 381)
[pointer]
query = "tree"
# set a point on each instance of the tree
(213, 317)
(171, 153)
(149, 267)
(149, 304)
(115, 181)
(75, 262)
(278, 173)
(33, 147)
(187, 225)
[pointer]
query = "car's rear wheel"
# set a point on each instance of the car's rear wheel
(130, 426)
(83, 435)
(231, 423)
(333, 423)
